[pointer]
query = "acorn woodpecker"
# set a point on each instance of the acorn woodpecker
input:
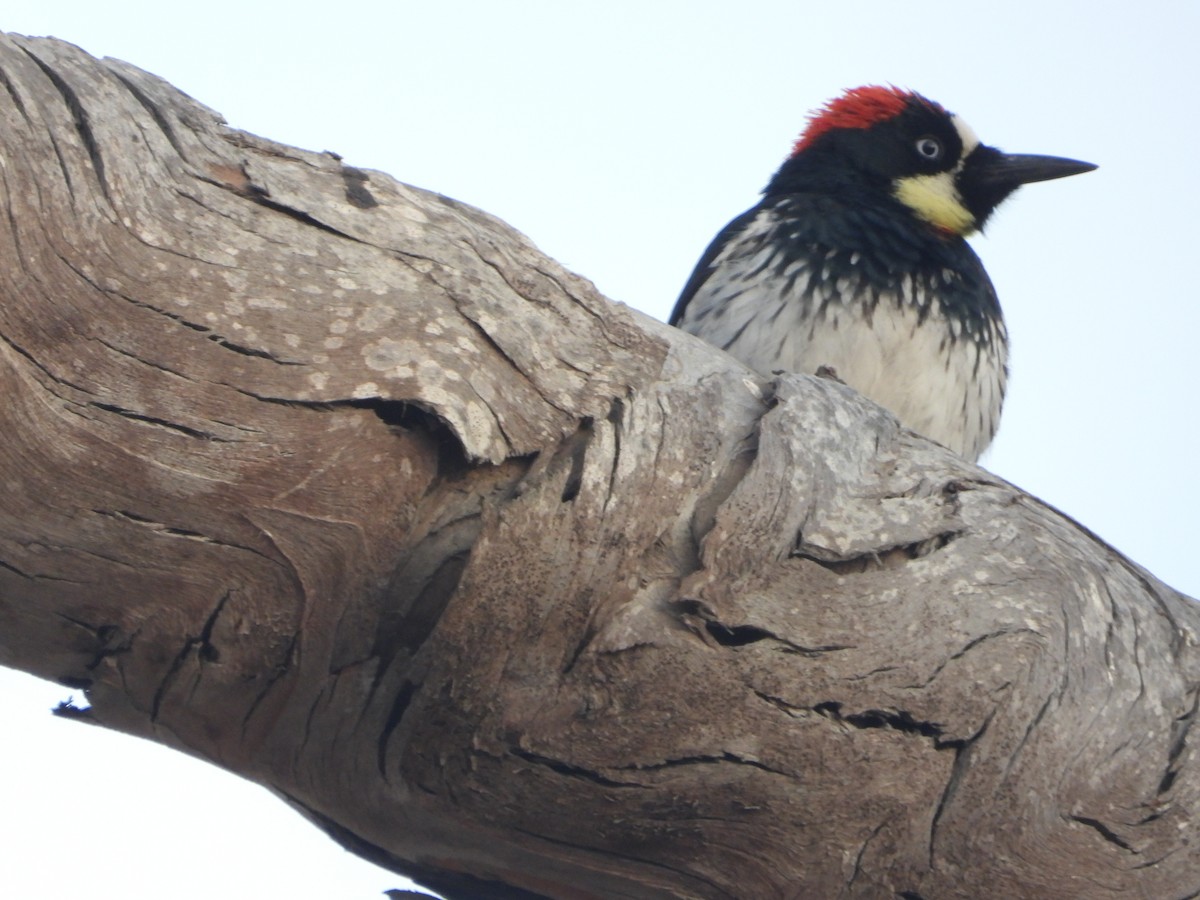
(855, 260)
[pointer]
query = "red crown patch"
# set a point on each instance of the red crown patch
(859, 107)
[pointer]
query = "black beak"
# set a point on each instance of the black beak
(989, 176)
(1008, 171)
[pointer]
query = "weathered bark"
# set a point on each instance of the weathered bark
(343, 486)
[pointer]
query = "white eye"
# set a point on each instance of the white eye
(929, 147)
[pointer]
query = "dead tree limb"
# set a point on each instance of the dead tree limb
(343, 486)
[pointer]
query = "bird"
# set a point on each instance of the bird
(855, 262)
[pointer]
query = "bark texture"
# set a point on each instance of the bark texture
(343, 486)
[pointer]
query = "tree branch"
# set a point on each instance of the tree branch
(345, 487)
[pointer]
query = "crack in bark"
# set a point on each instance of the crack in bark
(501, 271)
(744, 634)
(704, 760)
(464, 304)
(21, 351)
(277, 673)
(400, 704)
(882, 558)
(159, 422)
(83, 125)
(858, 869)
(575, 447)
(1181, 727)
(1110, 628)
(967, 648)
(256, 352)
(571, 770)
(10, 88)
(216, 337)
(1138, 664)
(201, 645)
(236, 221)
(407, 414)
(490, 341)
(141, 304)
(962, 763)
(9, 567)
(1052, 697)
(82, 551)
(896, 720)
(615, 417)
(153, 109)
(887, 719)
(733, 472)
(741, 635)
(1105, 832)
(259, 195)
(133, 518)
(435, 593)
(141, 360)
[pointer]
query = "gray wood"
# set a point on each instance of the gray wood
(345, 487)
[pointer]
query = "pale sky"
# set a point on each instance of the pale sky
(620, 136)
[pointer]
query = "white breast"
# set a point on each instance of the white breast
(898, 348)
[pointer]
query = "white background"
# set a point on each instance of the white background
(620, 136)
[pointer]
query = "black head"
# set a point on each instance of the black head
(882, 141)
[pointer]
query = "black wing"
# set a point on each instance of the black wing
(704, 268)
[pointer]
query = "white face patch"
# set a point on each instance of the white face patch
(966, 135)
